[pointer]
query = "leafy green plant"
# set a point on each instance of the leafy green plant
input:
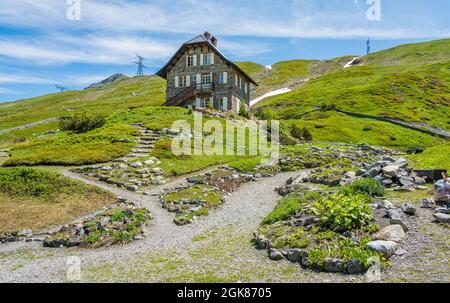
(343, 212)
(364, 186)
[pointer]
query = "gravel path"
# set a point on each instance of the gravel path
(30, 262)
(28, 125)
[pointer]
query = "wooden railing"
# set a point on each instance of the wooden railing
(190, 92)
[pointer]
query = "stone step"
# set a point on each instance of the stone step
(142, 151)
(144, 146)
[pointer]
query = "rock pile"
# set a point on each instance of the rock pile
(117, 224)
(392, 173)
(132, 176)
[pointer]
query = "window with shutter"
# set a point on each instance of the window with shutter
(225, 77)
(177, 81)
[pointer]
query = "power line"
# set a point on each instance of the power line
(140, 64)
(61, 88)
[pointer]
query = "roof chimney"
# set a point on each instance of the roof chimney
(207, 35)
(214, 41)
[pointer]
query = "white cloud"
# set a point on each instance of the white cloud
(6, 91)
(72, 80)
(100, 49)
(264, 18)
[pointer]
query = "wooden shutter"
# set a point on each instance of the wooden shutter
(187, 60)
(177, 81)
(212, 58)
(201, 59)
(236, 80)
(197, 102)
(225, 77)
(199, 79)
(225, 103)
(195, 60)
(188, 80)
(246, 87)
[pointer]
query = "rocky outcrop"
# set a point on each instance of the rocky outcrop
(110, 80)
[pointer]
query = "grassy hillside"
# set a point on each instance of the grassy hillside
(412, 54)
(409, 91)
(137, 91)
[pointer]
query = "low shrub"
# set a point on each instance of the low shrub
(364, 186)
(301, 133)
(81, 123)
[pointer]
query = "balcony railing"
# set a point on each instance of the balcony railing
(204, 87)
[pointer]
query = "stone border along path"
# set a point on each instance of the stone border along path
(244, 210)
(146, 143)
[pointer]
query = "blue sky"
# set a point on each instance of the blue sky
(40, 46)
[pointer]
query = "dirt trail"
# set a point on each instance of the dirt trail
(28, 125)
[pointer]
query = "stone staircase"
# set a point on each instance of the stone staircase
(146, 142)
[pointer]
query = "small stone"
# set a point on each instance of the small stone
(387, 248)
(388, 204)
(374, 171)
(401, 163)
(393, 213)
(391, 170)
(157, 170)
(137, 164)
(132, 188)
(25, 233)
(442, 210)
(442, 218)
(149, 162)
(333, 265)
(275, 255)
(406, 181)
(428, 203)
(409, 209)
(354, 267)
(295, 255)
(398, 221)
(393, 233)
(420, 181)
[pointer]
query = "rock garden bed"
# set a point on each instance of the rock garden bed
(345, 231)
(118, 224)
(133, 175)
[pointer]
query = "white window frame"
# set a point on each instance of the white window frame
(207, 59)
(191, 60)
(206, 76)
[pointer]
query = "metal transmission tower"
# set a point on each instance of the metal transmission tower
(61, 88)
(140, 64)
(368, 46)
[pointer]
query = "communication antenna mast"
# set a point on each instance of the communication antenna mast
(61, 88)
(140, 64)
(368, 46)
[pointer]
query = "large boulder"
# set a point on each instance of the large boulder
(387, 248)
(393, 233)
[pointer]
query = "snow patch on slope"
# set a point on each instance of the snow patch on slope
(270, 94)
